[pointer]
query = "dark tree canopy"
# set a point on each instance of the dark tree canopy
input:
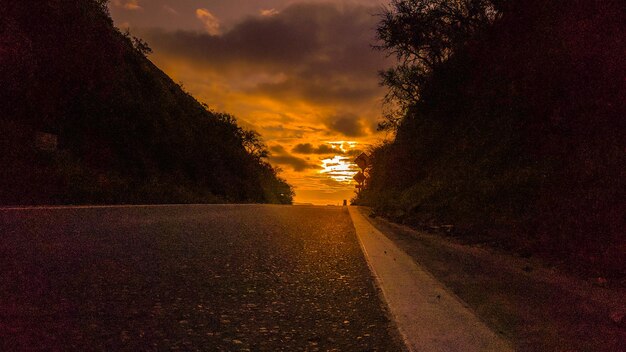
(422, 35)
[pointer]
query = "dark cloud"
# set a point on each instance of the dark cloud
(281, 157)
(308, 148)
(180, 14)
(296, 163)
(277, 149)
(255, 42)
(347, 124)
(316, 88)
(286, 131)
(323, 51)
(288, 38)
(304, 148)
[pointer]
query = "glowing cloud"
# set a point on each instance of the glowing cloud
(211, 23)
(268, 12)
(339, 168)
(128, 4)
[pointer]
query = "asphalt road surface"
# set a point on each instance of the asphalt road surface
(189, 278)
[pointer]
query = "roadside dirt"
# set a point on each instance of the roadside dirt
(537, 307)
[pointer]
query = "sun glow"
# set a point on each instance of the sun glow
(343, 146)
(340, 168)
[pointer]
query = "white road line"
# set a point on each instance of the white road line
(430, 318)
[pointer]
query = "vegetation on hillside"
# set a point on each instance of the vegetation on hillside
(509, 121)
(126, 132)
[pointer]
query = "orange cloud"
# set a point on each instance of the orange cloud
(211, 23)
(128, 4)
(268, 12)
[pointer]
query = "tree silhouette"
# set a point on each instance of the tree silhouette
(423, 34)
(510, 124)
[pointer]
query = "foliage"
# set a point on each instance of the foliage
(513, 130)
(422, 35)
(126, 131)
(139, 44)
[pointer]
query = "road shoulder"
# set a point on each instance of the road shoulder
(429, 317)
(535, 306)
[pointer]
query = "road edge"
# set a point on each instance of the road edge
(427, 315)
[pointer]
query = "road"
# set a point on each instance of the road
(192, 278)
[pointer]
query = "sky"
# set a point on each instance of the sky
(301, 73)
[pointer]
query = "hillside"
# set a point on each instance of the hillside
(85, 117)
(517, 134)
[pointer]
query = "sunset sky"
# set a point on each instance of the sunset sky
(301, 73)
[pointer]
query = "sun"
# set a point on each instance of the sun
(340, 168)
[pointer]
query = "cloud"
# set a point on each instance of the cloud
(268, 12)
(211, 23)
(311, 59)
(316, 88)
(308, 148)
(347, 124)
(277, 148)
(354, 152)
(321, 47)
(260, 43)
(296, 163)
(280, 156)
(131, 5)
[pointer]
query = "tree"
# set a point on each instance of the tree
(423, 34)
(141, 46)
(253, 144)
